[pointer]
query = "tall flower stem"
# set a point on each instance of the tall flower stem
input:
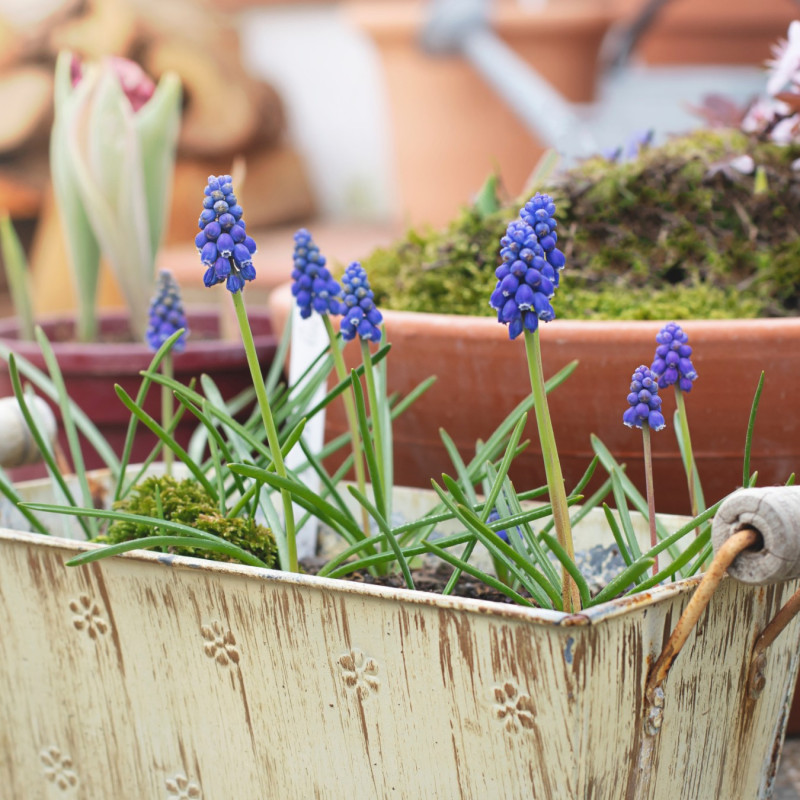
(167, 408)
(269, 425)
(377, 432)
(552, 467)
(688, 462)
(651, 498)
(352, 421)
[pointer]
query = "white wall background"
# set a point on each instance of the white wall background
(329, 77)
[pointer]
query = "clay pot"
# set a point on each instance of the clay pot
(712, 31)
(91, 370)
(481, 376)
(449, 129)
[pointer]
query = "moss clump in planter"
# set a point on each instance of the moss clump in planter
(187, 502)
(677, 233)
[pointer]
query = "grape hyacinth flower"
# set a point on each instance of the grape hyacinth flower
(493, 517)
(502, 533)
(529, 274)
(526, 280)
(672, 366)
(671, 363)
(224, 246)
(314, 288)
(166, 317)
(227, 253)
(638, 142)
(539, 212)
(644, 402)
(361, 315)
(166, 314)
(644, 412)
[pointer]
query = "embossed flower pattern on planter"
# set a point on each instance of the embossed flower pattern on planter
(179, 787)
(359, 672)
(58, 768)
(220, 644)
(88, 616)
(514, 708)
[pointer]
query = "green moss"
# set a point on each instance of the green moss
(652, 238)
(187, 502)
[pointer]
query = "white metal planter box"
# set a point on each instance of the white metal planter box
(150, 675)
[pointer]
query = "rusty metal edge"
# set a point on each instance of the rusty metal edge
(539, 616)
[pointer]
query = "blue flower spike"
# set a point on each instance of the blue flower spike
(672, 362)
(166, 314)
(314, 288)
(529, 273)
(493, 517)
(361, 315)
(644, 402)
(224, 246)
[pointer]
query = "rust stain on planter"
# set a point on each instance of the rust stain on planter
(246, 706)
(598, 694)
(575, 619)
(97, 572)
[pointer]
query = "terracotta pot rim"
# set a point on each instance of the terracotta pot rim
(134, 349)
(474, 327)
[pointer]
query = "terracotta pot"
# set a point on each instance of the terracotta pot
(481, 376)
(332, 688)
(449, 129)
(91, 370)
(712, 31)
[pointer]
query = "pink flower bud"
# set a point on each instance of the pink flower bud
(134, 81)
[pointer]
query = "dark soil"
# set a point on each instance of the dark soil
(426, 579)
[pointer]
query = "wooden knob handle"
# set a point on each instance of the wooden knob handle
(17, 446)
(774, 512)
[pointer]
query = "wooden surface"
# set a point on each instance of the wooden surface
(140, 675)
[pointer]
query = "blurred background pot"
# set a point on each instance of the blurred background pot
(446, 122)
(481, 376)
(710, 31)
(91, 369)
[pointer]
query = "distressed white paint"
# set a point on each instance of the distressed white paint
(147, 672)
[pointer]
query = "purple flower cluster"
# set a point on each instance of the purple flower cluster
(502, 533)
(225, 248)
(638, 142)
(314, 288)
(361, 315)
(528, 276)
(166, 314)
(644, 402)
(672, 364)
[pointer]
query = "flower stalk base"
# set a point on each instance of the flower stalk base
(552, 466)
(269, 427)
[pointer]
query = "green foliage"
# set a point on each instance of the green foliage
(112, 169)
(675, 233)
(187, 502)
(656, 233)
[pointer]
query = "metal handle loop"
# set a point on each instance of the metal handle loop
(736, 544)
